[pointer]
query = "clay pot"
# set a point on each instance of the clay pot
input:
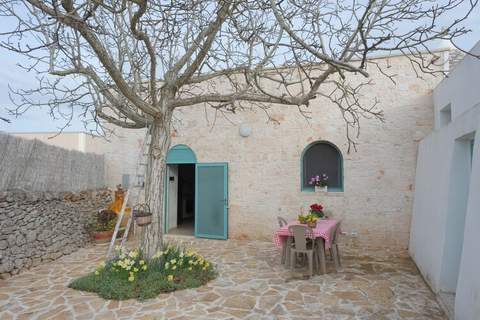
(105, 236)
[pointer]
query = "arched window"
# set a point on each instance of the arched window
(320, 158)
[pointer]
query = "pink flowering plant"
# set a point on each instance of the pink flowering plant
(319, 181)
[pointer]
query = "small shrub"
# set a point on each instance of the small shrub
(103, 220)
(129, 275)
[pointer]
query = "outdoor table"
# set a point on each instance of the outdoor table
(321, 234)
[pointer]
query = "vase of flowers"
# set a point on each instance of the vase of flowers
(320, 182)
(316, 210)
(308, 219)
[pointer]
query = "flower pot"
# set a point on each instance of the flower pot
(321, 189)
(143, 220)
(142, 215)
(303, 222)
(105, 236)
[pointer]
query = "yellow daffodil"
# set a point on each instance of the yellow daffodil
(174, 267)
(167, 265)
(102, 264)
(131, 278)
(190, 268)
(135, 269)
(144, 267)
(173, 261)
(97, 273)
(141, 262)
(170, 277)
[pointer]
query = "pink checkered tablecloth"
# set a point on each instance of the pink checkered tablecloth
(322, 230)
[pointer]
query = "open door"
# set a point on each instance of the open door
(211, 200)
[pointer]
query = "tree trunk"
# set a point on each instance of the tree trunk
(152, 235)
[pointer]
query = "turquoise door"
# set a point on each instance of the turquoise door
(211, 200)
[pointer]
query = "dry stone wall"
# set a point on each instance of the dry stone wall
(43, 226)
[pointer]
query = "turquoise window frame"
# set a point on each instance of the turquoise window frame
(303, 188)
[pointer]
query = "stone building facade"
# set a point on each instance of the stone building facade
(264, 169)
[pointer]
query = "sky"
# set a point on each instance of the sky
(40, 120)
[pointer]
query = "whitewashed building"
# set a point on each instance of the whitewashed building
(445, 236)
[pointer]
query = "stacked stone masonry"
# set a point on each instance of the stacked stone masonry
(43, 226)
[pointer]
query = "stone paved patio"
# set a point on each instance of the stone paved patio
(251, 285)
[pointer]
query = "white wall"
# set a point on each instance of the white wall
(446, 198)
(172, 196)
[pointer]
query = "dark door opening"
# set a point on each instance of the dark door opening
(186, 196)
(181, 199)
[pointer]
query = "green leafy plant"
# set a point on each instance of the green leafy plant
(103, 220)
(130, 275)
(307, 218)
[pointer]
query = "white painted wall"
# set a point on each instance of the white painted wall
(172, 196)
(447, 193)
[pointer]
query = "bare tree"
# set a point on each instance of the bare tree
(131, 63)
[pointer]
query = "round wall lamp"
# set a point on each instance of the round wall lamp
(245, 130)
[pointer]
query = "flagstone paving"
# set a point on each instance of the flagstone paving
(251, 285)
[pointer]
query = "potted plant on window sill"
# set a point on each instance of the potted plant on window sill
(320, 183)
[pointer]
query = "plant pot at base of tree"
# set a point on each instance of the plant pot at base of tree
(102, 225)
(142, 215)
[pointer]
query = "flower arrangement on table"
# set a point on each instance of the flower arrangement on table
(308, 219)
(316, 209)
(320, 182)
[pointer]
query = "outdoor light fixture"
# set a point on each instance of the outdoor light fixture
(245, 130)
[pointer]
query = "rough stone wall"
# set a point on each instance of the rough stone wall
(264, 168)
(43, 226)
(35, 166)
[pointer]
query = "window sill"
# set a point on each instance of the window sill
(332, 191)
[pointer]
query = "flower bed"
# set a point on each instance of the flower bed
(129, 275)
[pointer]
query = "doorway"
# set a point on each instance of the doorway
(458, 193)
(181, 202)
(196, 195)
